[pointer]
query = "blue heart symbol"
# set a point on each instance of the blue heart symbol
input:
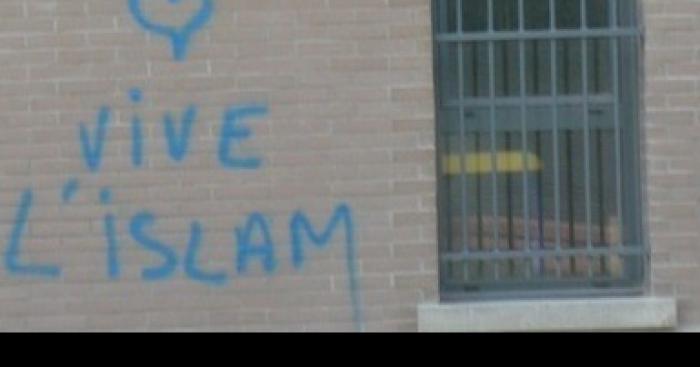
(180, 36)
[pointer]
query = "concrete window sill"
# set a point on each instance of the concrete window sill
(616, 314)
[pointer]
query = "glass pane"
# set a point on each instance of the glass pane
(598, 13)
(568, 14)
(456, 186)
(606, 231)
(474, 15)
(505, 17)
(476, 144)
(569, 67)
(478, 189)
(572, 176)
(446, 11)
(476, 69)
(541, 178)
(448, 72)
(507, 68)
(510, 178)
(538, 67)
(627, 13)
(599, 66)
(537, 14)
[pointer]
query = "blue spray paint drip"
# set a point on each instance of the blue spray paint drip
(70, 189)
(301, 228)
(12, 254)
(180, 37)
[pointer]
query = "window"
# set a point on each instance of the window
(538, 147)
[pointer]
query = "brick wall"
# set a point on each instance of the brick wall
(202, 239)
(347, 86)
(672, 129)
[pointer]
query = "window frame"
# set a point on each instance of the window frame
(635, 170)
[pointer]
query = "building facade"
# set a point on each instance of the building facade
(349, 165)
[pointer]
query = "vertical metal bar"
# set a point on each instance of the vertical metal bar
(477, 148)
(476, 72)
(570, 194)
(462, 141)
(459, 16)
(616, 116)
(569, 156)
(443, 51)
(554, 66)
(524, 142)
(509, 208)
(540, 194)
(602, 232)
(586, 136)
(506, 75)
(602, 213)
(479, 208)
(494, 156)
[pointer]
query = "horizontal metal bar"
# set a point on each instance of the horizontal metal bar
(584, 290)
(536, 101)
(540, 253)
(534, 126)
(537, 35)
(541, 282)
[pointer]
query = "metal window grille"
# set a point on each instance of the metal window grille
(538, 146)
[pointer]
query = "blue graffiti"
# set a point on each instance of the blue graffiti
(177, 131)
(140, 224)
(178, 143)
(110, 228)
(300, 228)
(136, 97)
(231, 133)
(191, 269)
(93, 148)
(179, 36)
(248, 249)
(12, 254)
(253, 241)
(106, 196)
(70, 189)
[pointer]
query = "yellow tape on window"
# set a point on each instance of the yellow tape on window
(482, 163)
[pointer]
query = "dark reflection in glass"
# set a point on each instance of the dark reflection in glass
(568, 14)
(598, 13)
(505, 15)
(538, 67)
(476, 69)
(537, 14)
(506, 67)
(569, 54)
(474, 15)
